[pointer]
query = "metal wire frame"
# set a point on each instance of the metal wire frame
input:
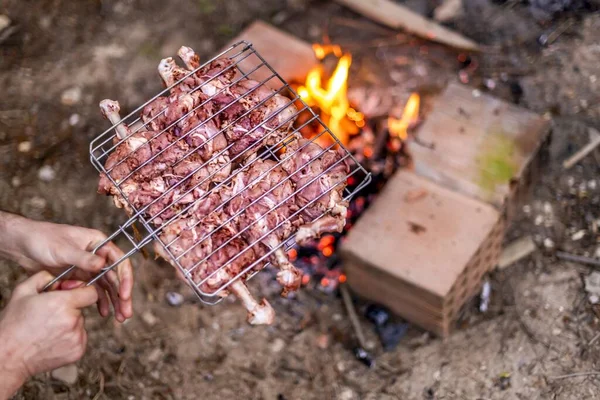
(271, 231)
(153, 233)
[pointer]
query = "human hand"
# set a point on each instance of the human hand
(41, 331)
(55, 247)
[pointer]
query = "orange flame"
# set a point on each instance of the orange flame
(331, 98)
(321, 50)
(410, 116)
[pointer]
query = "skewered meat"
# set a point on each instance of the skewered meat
(189, 113)
(162, 184)
(215, 77)
(248, 111)
(131, 151)
(214, 261)
(317, 195)
(266, 196)
(153, 113)
(218, 224)
(182, 235)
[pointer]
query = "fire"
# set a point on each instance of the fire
(331, 98)
(410, 116)
(321, 50)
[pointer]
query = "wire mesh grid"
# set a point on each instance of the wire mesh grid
(272, 146)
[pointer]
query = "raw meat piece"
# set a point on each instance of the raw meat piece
(304, 161)
(183, 238)
(189, 114)
(249, 112)
(147, 186)
(266, 196)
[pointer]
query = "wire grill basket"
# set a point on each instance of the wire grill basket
(155, 223)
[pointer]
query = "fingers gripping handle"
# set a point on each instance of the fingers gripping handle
(105, 270)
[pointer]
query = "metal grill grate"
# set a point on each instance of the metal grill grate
(154, 223)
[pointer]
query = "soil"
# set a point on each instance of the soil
(540, 330)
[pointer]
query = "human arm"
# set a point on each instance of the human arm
(11, 235)
(41, 331)
(37, 246)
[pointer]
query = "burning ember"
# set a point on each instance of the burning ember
(377, 144)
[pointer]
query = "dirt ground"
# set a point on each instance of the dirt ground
(65, 56)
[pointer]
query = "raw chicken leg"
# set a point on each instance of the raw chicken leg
(323, 195)
(265, 194)
(207, 249)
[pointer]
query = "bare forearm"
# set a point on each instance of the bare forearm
(12, 229)
(9, 383)
(11, 379)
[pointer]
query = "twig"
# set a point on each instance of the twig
(7, 33)
(594, 339)
(579, 259)
(101, 390)
(575, 375)
(353, 317)
(562, 28)
(581, 154)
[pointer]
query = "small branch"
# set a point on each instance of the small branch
(582, 153)
(575, 375)
(353, 317)
(594, 339)
(578, 259)
(101, 390)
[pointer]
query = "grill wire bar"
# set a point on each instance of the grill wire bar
(101, 148)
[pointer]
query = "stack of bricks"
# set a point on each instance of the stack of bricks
(435, 230)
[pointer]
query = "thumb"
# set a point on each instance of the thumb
(35, 284)
(80, 297)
